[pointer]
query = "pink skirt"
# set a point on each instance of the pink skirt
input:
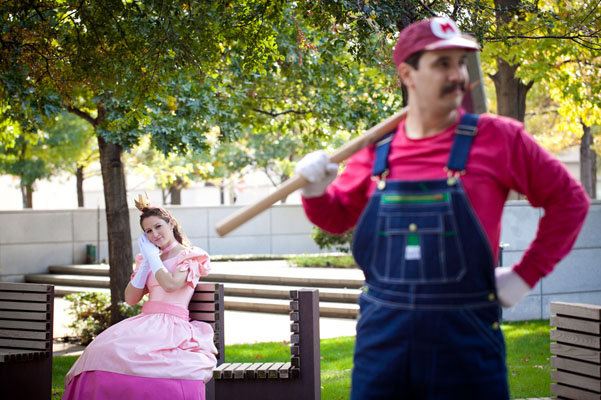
(146, 356)
(100, 385)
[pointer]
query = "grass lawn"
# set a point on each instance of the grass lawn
(322, 261)
(527, 361)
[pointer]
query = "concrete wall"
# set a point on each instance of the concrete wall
(31, 240)
(577, 278)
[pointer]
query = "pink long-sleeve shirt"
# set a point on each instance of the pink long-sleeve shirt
(503, 157)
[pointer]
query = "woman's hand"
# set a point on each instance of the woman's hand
(151, 254)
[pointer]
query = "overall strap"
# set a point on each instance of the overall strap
(464, 135)
(382, 150)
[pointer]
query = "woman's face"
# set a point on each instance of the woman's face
(159, 232)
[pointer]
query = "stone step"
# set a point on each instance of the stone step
(260, 305)
(102, 271)
(63, 290)
(277, 306)
(80, 269)
(335, 295)
(67, 286)
(70, 280)
(286, 281)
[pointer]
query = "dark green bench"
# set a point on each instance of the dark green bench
(26, 316)
(576, 350)
(297, 378)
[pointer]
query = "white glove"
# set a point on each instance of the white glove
(151, 253)
(511, 288)
(316, 168)
(139, 279)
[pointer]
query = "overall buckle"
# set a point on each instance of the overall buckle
(381, 179)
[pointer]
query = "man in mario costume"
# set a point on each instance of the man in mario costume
(426, 203)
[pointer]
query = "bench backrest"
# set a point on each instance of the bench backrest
(575, 350)
(206, 305)
(26, 313)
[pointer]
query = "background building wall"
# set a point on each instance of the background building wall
(31, 240)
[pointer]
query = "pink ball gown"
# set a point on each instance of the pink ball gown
(158, 354)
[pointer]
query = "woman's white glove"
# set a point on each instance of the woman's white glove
(139, 279)
(511, 288)
(151, 253)
(318, 170)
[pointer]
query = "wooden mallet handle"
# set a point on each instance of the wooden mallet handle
(371, 136)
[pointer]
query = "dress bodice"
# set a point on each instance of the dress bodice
(195, 261)
(180, 297)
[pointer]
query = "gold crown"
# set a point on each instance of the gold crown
(143, 202)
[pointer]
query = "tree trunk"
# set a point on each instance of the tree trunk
(176, 195)
(407, 16)
(117, 221)
(79, 176)
(588, 162)
(27, 195)
(511, 92)
(175, 191)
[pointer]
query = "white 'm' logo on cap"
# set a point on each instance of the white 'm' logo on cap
(444, 28)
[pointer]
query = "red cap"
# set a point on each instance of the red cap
(430, 34)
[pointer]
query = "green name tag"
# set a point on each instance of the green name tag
(414, 199)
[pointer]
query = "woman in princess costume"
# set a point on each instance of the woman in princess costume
(158, 354)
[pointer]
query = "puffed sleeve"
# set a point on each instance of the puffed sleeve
(196, 261)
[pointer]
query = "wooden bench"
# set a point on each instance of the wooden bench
(296, 379)
(26, 313)
(576, 350)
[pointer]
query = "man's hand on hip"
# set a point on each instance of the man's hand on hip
(511, 288)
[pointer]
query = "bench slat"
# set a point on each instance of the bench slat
(576, 366)
(8, 333)
(218, 371)
(573, 393)
(205, 287)
(29, 325)
(24, 287)
(204, 316)
(11, 355)
(228, 372)
(579, 339)
(575, 324)
(203, 296)
(240, 371)
(23, 306)
(251, 372)
(25, 296)
(579, 381)
(201, 307)
(27, 316)
(24, 344)
(589, 311)
(262, 370)
(284, 372)
(274, 371)
(578, 353)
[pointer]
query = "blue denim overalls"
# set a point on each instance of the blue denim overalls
(429, 316)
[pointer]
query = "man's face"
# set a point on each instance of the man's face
(440, 80)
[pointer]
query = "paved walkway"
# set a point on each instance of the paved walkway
(240, 327)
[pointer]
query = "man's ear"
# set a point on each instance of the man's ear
(404, 71)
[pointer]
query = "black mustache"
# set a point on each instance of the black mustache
(452, 86)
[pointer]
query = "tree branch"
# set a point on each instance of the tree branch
(82, 114)
(277, 114)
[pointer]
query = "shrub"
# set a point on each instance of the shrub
(92, 313)
(330, 241)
